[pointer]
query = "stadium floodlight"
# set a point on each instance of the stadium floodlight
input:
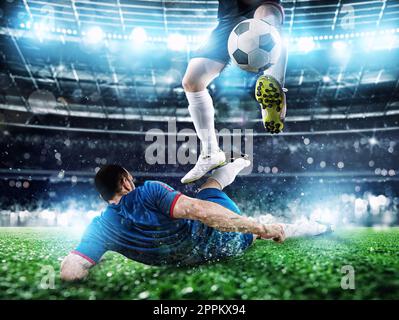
(139, 35)
(177, 42)
(94, 35)
(373, 141)
(305, 44)
(40, 29)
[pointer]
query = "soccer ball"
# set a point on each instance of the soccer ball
(254, 45)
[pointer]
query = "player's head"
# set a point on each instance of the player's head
(113, 180)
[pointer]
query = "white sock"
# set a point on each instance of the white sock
(303, 228)
(203, 115)
(226, 174)
(278, 69)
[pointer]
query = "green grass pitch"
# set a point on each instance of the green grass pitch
(298, 269)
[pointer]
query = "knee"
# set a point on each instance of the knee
(271, 13)
(192, 85)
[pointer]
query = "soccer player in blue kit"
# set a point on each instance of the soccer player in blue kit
(210, 60)
(157, 225)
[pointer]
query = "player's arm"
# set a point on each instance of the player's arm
(218, 217)
(74, 267)
(91, 248)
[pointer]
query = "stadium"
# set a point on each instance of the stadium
(89, 83)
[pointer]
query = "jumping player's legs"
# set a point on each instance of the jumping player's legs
(199, 74)
(273, 14)
(270, 91)
(205, 66)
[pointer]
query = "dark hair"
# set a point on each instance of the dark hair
(108, 180)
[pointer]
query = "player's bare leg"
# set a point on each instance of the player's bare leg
(200, 73)
(269, 90)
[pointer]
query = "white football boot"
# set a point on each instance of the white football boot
(306, 227)
(205, 164)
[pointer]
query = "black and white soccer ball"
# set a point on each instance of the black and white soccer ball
(254, 45)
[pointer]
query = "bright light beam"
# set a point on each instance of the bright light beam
(177, 42)
(373, 141)
(94, 35)
(306, 44)
(340, 46)
(139, 36)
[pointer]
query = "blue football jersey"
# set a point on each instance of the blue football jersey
(141, 227)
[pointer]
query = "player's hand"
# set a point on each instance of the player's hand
(273, 231)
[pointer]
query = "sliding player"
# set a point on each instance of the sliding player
(157, 225)
(210, 61)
